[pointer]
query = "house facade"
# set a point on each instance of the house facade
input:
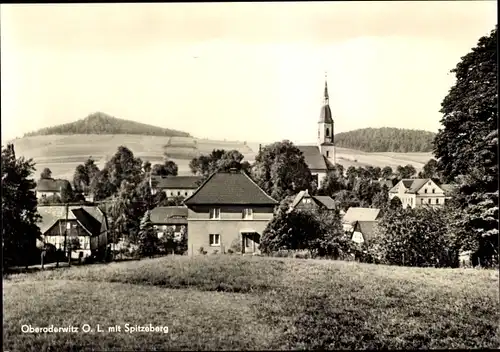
(321, 158)
(170, 219)
(304, 201)
(174, 186)
(228, 211)
(419, 192)
(86, 224)
(46, 187)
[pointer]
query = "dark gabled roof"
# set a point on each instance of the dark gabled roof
(313, 157)
(51, 214)
(87, 221)
(175, 182)
(367, 229)
(50, 185)
(448, 188)
(326, 201)
(228, 188)
(169, 215)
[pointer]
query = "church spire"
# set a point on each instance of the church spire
(326, 98)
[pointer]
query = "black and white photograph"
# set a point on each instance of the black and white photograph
(215, 176)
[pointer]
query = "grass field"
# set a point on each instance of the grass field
(234, 302)
(63, 153)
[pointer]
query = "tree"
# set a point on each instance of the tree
(148, 240)
(46, 174)
(84, 175)
(169, 168)
(218, 160)
(386, 172)
(395, 203)
(467, 146)
(333, 242)
(280, 170)
(123, 166)
(381, 198)
(416, 237)
(346, 199)
(146, 166)
(19, 213)
(430, 170)
(67, 194)
(407, 171)
(332, 183)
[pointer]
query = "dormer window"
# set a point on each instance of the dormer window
(214, 213)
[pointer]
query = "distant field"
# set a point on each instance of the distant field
(229, 302)
(63, 153)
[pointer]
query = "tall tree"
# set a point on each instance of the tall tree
(46, 174)
(19, 213)
(169, 168)
(430, 170)
(280, 170)
(148, 239)
(467, 146)
(67, 194)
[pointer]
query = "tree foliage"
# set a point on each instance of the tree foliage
(430, 170)
(46, 174)
(19, 213)
(407, 171)
(415, 237)
(467, 147)
(84, 175)
(386, 139)
(148, 239)
(218, 160)
(280, 170)
(101, 123)
(169, 168)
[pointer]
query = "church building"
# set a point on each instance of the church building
(321, 157)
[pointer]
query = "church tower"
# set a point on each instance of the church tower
(325, 129)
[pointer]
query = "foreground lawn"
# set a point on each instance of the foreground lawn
(233, 302)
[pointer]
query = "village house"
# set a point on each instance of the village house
(320, 158)
(86, 223)
(420, 192)
(174, 186)
(304, 201)
(360, 222)
(228, 211)
(173, 218)
(46, 187)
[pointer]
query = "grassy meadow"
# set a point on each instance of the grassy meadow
(228, 302)
(62, 153)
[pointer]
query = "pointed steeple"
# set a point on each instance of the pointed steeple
(326, 98)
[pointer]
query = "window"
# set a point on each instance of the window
(178, 193)
(247, 242)
(327, 154)
(171, 193)
(214, 239)
(429, 201)
(437, 200)
(306, 200)
(425, 190)
(68, 226)
(186, 193)
(433, 190)
(429, 183)
(247, 214)
(421, 201)
(215, 213)
(327, 132)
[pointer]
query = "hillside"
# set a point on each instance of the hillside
(386, 139)
(101, 123)
(62, 153)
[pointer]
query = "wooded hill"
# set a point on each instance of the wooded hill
(101, 123)
(386, 139)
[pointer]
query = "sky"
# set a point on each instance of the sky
(235, 71)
